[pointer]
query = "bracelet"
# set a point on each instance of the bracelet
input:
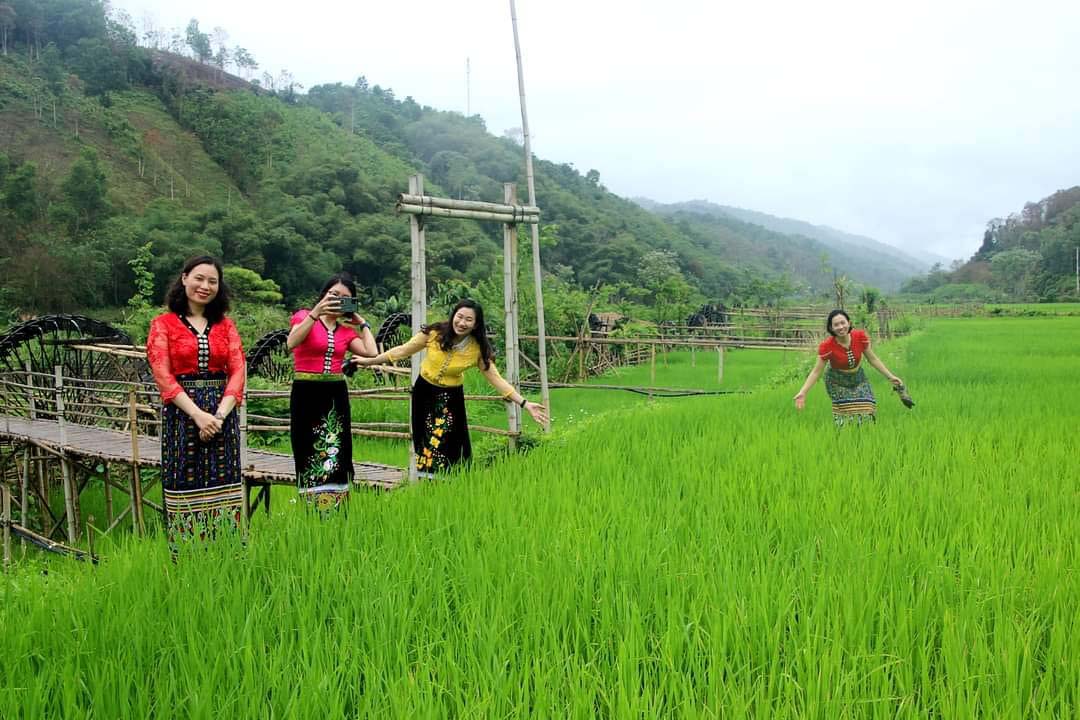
(365, 324)
(523, 401)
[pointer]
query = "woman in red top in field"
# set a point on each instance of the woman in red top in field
(197, 361)
(845, 381)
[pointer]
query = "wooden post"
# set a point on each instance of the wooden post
(5, 502)
(720, 364)
(693, 356)
(69, 500)
(419, 294)
(241, 417)
(30, 391)
(510, 314)
(652, 366)
(137, 521)
(43, 490)
(58, 373)
(541, 331)
(108, 496)
(24, 497)
(67, 474)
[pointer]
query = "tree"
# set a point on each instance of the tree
(245, 61)
(248, 286)
(7, 22)
(1013, 270)
(18, 196)
(85, 190)
(198, 41)
(144, 279)
(98, 66)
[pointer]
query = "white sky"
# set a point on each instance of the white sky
(913, 123)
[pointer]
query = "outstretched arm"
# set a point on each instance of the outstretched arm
(880, 367)
(811, 379)
(415, 344)
(538, 412)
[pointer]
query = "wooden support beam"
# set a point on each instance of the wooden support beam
(419, 295)
(510, 311)
(137, 520)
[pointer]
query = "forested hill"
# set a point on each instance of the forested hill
(1028, 256)
(864, 257)
(107, 147)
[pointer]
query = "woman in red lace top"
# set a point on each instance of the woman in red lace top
(850, 391)
(198, 364)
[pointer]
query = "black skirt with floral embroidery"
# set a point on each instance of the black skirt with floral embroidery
(321, 434)
(440, 429)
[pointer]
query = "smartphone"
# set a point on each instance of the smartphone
(348, 305)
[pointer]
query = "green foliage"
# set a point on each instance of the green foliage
(247, 287)
(1029, 255)
(144, 279)
(699, 557)
(84, 189)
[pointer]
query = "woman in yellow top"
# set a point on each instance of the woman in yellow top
(439, 427)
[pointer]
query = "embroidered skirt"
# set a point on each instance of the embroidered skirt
(852, 397)
(202, 485)
(321, 433)
(440, 429)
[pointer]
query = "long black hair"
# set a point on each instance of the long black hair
(176, 298)
(833, 314)
(445, 329)
(342, 278)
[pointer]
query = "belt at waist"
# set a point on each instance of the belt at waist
(202, 380)
(318, 377)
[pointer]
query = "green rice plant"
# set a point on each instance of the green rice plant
(709, 557)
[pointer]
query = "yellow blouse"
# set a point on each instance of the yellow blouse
(447, 368)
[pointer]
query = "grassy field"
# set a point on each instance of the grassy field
(694, 557)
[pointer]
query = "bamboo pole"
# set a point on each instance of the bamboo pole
(652, 366)
(466, 214)
(452, 204)
(720, 364)
(5, 501)
(683, 343)
(241, 419)
(69, 500)
(108, 497)
(510, 312)
(538, 286)
(30, 382)
(419, 296)
(137, 520)
(58, 373)
(43, 492)
(24, 489)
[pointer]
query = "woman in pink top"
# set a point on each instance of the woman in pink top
(320, 427)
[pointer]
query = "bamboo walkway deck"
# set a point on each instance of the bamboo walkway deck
(261, 467)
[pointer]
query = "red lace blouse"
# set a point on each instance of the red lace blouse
(172, 348)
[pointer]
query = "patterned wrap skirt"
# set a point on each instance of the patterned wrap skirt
(852, 397)
(321, 434)
(440, 429)
(202, 484)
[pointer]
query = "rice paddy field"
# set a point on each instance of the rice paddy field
(711, 557)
